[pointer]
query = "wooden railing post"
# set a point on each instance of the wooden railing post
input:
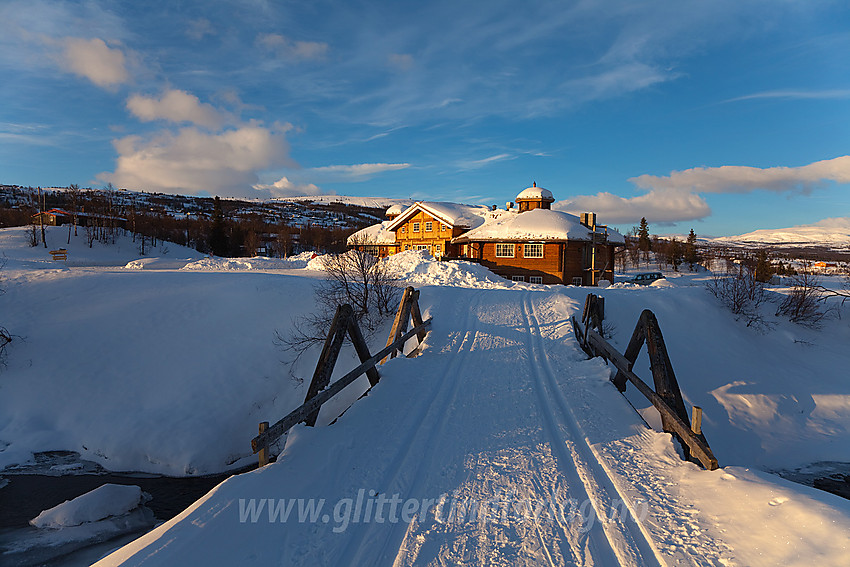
(327, 360)
(362, 349)
(263, 453)
(400, 321)
(696, 420)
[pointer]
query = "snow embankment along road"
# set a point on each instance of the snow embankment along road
(499, 445)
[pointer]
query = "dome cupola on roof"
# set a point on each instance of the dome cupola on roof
(534, 198)
(394, 211)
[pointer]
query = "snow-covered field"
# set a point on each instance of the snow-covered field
(170, 370)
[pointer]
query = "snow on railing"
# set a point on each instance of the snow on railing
(667, 397)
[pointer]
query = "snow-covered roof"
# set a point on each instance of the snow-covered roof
(451, 214)
(535, 192)
(395, 210)
(537, 224)
(375, 234)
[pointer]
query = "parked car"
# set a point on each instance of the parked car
(646, 278)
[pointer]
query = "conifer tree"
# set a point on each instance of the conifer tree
(218, 235)
(644, 244)
(691, 255)
(764, 270)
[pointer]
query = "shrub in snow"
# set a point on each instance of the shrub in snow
(741, 293)
(103, 502)
(804, 305)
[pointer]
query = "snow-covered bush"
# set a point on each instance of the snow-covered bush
(804, 305)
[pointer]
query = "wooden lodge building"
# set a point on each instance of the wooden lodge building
(529, 242)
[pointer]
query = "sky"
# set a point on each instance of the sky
(722, 116)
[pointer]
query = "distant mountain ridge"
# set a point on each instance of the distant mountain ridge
(831, 232)
(370, 202)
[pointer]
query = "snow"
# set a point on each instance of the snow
(536, 224)
(502, 405)
(373, 202)
(452, 214)
(169, 371)
(535, 192)
(374, 234)
(213, 264)
(833, 232)
(98, 504)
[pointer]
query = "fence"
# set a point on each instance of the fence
(320, 391)
(667, 397)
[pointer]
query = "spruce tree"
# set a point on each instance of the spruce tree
(643, 235)
(764, 270)
(218, 235)
(691, 256)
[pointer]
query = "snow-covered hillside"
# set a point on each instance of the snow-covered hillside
(834, 233)
(372, 202)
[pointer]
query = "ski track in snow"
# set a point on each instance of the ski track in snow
(558, 464)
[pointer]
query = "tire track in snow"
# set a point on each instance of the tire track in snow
(623, 543)
(362, 545)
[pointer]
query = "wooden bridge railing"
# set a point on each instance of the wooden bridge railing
(319, 391)
(667, 397)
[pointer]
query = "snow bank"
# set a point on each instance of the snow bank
(102, 502)
(214, 264)
(14, 244)
(420, 268)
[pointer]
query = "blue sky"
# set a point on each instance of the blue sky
(724, 116)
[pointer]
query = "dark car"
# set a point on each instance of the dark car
(646, 278)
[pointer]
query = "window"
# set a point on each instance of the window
(535, 279)
(533, 250)
(407, 246)
(438, 249)
(504, 250)
(403, 229)
(416, 227)
(429, 226)
(444, 227)
(578, 281)
(422, 247)
(517, 278)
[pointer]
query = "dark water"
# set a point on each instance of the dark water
(59, 476)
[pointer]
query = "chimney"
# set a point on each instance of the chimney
(588, 219)
(509, 205)
(495, 207)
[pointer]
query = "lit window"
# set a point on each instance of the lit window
(533, 251)
(517, 278)
(535, 279)
(429, 226)
(504, 250)
(416, 227)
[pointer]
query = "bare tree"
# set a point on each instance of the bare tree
(355, 277)
(5, 336)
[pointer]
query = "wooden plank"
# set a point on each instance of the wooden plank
(362, 349)
(264, 452)
(663, 376)
(416, 316)
(327, 360)
(696, 420)
(405, 297)
(406, 307)
(631, 354)
(698, 447)
(300, 414)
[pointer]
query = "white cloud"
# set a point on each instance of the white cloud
(678, 196)
(656, 206)
(796, 95)
(288, 49)
(283, 187)
(358, 171)
(93, 59)
(743, 179)
(175, 106)
(194, 161)
(479, 163)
